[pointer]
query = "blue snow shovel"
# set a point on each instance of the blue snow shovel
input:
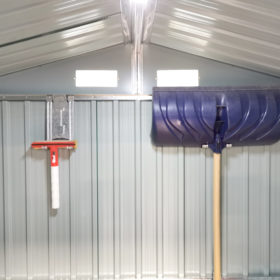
(216, 117)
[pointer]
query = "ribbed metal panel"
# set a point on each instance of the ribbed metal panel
(37, 32)
(68, 43)
(129, 209)
(242, 33)
(25, 19)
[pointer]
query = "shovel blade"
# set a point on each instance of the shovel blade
(193, 117)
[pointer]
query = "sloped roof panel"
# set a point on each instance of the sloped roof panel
(243, 33)
(35, 32)
(25, 19)
(68, 43)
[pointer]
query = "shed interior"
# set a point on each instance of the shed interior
(129, 209)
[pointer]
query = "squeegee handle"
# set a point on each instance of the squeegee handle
(54, 178)
(216, 215)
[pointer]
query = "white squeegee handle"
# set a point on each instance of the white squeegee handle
(54, 177)
(55, 186)
(216, 215)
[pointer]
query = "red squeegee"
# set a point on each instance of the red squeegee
(53, 146)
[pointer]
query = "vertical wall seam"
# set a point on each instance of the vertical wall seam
(113, 185)
(185, 216)
(157, 206)
(116, 189)
(269, 209)
(180, 209)
(202, 210)
(70, 207)
(94, 195)
(29, 243)
(97, 189)
(185, 207)
(160, 212)
(208, 219)
(72, 220)
(245, 225)
(138, 192)
(49, 228)
(72, 204)
(119, 191)
(3, 190)
(70, 223)
(140, 183)
(226, 215)
(114, 202)
(92, 187)
(266, 203)
(7, 212)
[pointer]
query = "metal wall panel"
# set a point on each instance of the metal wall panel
(36, 186)
(211, 73)
(105, 175)
(59, 77)
(81, 195)
(125, 187)
(151, 198)
(14, 189)
(129, 209)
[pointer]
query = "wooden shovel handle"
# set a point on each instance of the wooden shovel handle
(216, 215)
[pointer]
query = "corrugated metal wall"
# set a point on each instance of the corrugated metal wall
(129, 209)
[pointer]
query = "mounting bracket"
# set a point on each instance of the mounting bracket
(60, 112)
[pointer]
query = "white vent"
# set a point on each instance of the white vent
(177, 78)
(96, 78)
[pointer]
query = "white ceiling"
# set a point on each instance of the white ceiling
(245, 33)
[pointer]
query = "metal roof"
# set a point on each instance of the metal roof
(36, 32)
(242, 33)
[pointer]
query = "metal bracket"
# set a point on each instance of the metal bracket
(137, 21)
(60, 112)
(137, 48)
